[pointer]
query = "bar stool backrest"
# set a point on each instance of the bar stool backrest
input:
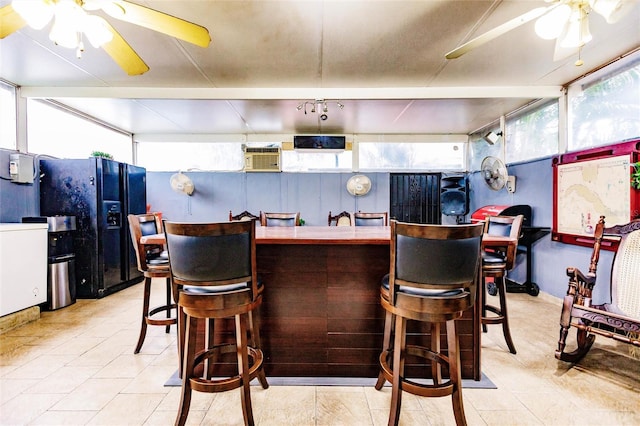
(212, 254)
(370, 219)
(280, 219)
(434, 257)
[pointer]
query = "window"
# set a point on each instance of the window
(8, 138)
(59, 133)
(533, 133)
(530, 133)
(295, 161)
(169, 156)
(606, 110)
(479, 149)
(411, 156)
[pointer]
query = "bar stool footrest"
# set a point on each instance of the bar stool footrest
(225, 383)
(161, 321)
(422, 389)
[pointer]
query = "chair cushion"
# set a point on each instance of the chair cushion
(492, 257)
(421, 292)
(158, 261)
(214, 289)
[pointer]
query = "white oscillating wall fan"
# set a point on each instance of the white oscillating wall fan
(182, 183)
(494, 173)
(358, 185)
(567, 21)
(74, 23)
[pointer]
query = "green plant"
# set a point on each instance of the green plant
(635, 176)
(102, 155)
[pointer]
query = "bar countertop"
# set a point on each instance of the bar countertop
(323, 235)
(333, 235)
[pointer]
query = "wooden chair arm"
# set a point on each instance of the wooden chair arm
(580, 286)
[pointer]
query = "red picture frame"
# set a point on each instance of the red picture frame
(572, 164)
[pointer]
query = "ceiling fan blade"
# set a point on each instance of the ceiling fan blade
(499, 30)
(158, 21)
(10, 21)
(124, 55)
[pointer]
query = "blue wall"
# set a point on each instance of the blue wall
(312, 194)
(17, 200)
(315, 194)
(534, 186)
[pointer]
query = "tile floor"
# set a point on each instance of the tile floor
(76, 366)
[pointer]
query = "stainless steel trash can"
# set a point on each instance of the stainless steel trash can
(61, 279)
(61, 259)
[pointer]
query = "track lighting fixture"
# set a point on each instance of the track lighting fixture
(319, 105)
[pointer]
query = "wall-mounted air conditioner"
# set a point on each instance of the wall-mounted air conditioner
(262, 160)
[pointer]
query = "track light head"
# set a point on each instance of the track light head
(320, 106)
(491, 137)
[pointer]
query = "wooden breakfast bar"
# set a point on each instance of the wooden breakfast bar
(321, 314)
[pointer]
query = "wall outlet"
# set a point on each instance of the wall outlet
(511, 184)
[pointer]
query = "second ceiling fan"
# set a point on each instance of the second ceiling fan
(567, 21)
(72, 23)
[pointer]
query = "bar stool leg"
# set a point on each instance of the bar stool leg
(436, 368)
(243, 368)
(210, 342)
(254, 327)
(399, 346)
(145, 312)
(187, 369)
(386, 344)
(455, 374)
(502, 292)
(484, 303)
(169, 302)
(181, 339)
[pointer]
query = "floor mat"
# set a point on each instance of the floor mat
(483, 383)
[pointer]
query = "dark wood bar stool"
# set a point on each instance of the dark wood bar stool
(214, 266)
(153, 262)
(496, 262)
(433, 276)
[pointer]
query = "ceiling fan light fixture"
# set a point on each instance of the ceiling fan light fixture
(549, 25)
(97, 30)
(68, 24)
(63, 35)
(611, 10)
(36, 14)
(576, 32)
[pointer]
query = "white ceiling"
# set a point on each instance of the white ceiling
(384, 60)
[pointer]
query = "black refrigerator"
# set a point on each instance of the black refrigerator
(100, 193)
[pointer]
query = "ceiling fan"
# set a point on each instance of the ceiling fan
(567, 21)
(72, 22)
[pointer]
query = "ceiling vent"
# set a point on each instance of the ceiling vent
(262, 160)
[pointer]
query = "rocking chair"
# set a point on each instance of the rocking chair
(618, 320)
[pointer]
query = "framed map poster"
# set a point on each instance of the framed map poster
(593, 183)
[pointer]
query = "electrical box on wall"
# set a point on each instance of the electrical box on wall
(21, 168)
